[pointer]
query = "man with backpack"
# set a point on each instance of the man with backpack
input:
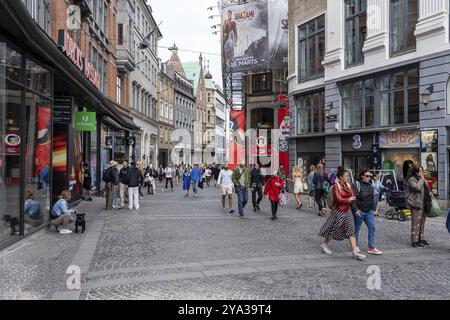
(124, 179)
(109, 179)
(364, 208)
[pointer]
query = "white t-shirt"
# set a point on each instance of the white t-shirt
(168, 172)
(225, 178)
(208, 172)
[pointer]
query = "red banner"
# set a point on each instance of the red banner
(283, 127)
(237, 144)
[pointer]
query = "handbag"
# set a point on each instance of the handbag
(200, 184)
(435, 209)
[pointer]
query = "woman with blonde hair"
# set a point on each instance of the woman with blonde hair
(62, 215)
(297, 177)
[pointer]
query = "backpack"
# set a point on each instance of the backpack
(107, 175)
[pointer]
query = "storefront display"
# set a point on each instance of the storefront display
(400, 150)
(25, 148)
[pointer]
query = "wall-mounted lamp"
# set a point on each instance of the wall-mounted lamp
(426, 95)
(327, 109)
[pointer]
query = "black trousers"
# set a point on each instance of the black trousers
(319, 199)
(255, 201)
(167, 183)
(274, 205)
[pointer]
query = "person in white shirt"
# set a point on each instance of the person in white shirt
(226, 184)
(208, 174)
(169, 174)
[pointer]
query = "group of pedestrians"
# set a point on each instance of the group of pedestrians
(241, 181)
(124, 182)
(353, 205)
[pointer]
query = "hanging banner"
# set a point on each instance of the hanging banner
(429, 158)
(237, 138)
(278, 34)
(283, 134)
(245, 43)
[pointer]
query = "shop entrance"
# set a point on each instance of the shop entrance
(262, 120)
(357, 162)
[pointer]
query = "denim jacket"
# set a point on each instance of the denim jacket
(61, 207)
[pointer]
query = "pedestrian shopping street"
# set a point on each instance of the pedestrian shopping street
(188, 248)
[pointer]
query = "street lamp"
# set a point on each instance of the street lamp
(426, 95)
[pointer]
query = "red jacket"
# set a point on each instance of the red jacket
(272, 190)
(342, 195)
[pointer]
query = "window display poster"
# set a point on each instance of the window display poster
(429, 158)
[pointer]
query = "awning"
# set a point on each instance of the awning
(17, 24)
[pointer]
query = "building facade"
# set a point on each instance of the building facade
(144, 81)
(53, 78)
(184, 108)
(195, 73)
(374, 89)
(166, 102)
(221, 114)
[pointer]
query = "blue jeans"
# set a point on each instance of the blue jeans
(242, 199)
(369, 220)
(195, 186)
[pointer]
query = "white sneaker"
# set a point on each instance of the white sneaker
(325, 249)
(65, 231)
(358, 256)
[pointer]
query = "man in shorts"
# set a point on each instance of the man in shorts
(225, 183)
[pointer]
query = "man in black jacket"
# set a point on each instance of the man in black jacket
(364, 208)
(256, 184)
(135, 179)
(124, 178)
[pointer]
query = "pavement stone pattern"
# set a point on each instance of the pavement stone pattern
(188, 248)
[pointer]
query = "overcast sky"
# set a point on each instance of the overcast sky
(186, 23)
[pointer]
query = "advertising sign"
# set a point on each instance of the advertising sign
(429, 158)
(278, 34)
(237, 140)
(283, 125)
(245, 44)
(400, 139)
(85, 121)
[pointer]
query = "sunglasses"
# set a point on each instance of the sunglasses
(368, 175)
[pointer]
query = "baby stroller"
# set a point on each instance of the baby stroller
(396, 199)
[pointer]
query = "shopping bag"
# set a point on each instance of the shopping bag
(283, 198)
(435, 209)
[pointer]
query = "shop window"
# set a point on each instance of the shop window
(311, 49)
(310, 113)
(356, 30)
(404, 15)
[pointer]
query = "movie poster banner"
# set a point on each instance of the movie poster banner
(429, 158)
(245, 44)
(278, 34)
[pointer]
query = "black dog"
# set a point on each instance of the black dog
(13, 223)
(80, 222)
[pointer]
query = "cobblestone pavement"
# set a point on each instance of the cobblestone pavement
(188, 248)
